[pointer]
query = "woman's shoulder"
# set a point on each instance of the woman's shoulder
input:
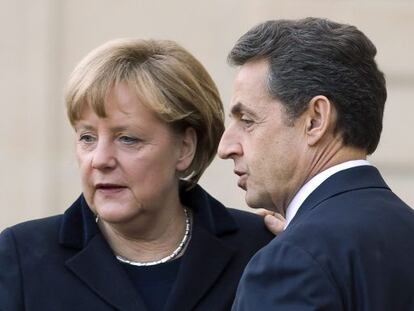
(35, 231)
(246, 218)
(251, 225)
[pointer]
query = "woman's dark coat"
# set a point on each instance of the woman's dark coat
(64, 263)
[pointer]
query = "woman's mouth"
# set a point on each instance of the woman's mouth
(108, 188)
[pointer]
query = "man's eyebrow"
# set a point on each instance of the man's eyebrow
(239, 108)
(236, 109)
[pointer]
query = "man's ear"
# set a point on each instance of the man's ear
(188, 146)
(320, 118)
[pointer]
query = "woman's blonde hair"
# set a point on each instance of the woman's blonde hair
(166, 78)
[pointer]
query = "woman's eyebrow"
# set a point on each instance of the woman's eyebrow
(83, 126)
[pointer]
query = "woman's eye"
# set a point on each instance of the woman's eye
(86, 138)
(128, 140)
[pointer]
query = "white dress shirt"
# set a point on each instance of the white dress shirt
(314, 183)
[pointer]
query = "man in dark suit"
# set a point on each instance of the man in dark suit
(306, 111)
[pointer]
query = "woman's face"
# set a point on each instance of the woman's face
(129, 160)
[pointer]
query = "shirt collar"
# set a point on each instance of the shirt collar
(314, 183)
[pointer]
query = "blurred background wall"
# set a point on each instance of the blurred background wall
(42, 40)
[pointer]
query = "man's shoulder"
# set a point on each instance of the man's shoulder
(349, 222)
(357, 207)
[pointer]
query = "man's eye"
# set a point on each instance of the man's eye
(128, 140)
(246, 120)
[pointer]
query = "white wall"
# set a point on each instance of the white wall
(42, 40)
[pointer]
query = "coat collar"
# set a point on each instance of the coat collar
(208, 212)
(78, 225)
(195, 276)
(95, 264)
(360, 177)
(98, 268)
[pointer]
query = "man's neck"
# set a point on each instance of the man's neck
(314, 183)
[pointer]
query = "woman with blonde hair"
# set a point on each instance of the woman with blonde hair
(143, 235)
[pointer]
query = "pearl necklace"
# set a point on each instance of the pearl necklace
(174, 254)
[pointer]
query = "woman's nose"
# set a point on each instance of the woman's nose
(104, 156)
(229, 146)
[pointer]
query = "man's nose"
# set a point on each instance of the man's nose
(104, 156)
(229, 145)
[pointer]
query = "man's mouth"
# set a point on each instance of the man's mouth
(242, 179)
(242, 183)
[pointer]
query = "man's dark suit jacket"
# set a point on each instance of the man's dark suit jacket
(349, 247)
(63, 262)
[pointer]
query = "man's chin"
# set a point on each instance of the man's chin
(256, 201)
(252, 201)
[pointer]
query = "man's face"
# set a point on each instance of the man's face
(265, 146)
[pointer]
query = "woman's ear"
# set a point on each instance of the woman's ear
(187, 150)
(320, 119)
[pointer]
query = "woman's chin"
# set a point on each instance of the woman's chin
(115, 214)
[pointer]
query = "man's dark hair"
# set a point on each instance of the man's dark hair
(313, 56)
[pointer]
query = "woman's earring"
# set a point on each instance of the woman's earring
(97, 218)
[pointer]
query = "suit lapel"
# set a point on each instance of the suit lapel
(359, 177)
(195, 277)
(98, 268)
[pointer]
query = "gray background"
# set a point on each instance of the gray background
(42, 40)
